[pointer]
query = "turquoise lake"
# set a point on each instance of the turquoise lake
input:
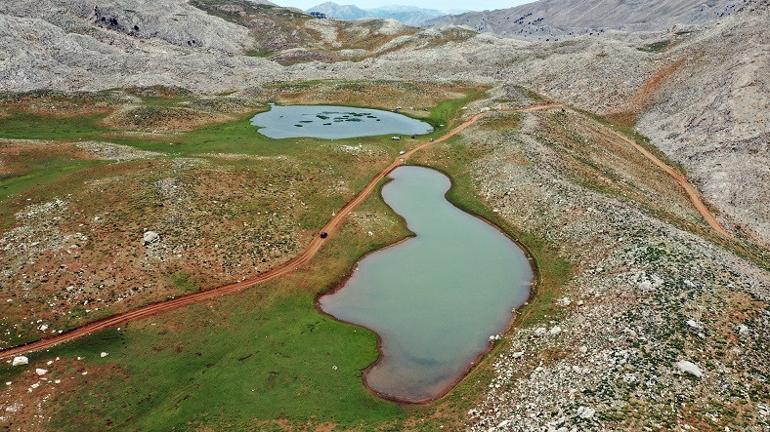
(436, 298)
(334, 122)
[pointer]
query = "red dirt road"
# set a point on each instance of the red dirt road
(692, 193)
(315, 245)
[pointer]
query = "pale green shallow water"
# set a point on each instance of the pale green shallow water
(436, 298)
(334, 122)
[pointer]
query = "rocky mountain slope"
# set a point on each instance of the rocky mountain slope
(116, 43)
(657, 330)
(409, 15)
(547, 19)
(712, 115)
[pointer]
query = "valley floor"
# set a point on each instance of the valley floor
(644, 317)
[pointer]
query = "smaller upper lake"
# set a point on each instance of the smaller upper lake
(334, 122)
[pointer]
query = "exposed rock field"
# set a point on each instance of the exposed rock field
(645, 296)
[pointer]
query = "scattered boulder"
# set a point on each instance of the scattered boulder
(14, 408)
(585, 412)
(20, 361)
(743, 330)
(696, 328)
(694, 325)
(41, 372)
(689, 368)
(645, 286)
(150, 237)
(103, 354)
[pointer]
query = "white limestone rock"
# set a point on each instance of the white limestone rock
(689, 368)
(20, 361)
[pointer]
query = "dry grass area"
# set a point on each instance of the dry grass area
(58, 105)
(18, 157)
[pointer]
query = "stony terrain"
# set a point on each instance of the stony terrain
(658, 329)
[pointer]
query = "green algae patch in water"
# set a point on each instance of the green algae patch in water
(434, 299)
(334, 122)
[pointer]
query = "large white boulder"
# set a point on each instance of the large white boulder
(689, 368)
(585, 412)
(150, 237)
(743, 330)
(20, 361)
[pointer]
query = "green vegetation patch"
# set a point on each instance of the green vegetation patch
(182, 281)
(24, 125)
(259, 52)
(238, 363)
(656, 46)
(41, 175)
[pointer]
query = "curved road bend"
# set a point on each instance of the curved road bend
(692, 193)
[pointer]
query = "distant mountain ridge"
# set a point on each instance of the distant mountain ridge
(549, 18)
(409, 15)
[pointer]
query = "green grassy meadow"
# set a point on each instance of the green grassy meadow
(240, 362)
(264, 359)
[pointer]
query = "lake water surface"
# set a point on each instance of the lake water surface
(334, 122)
(436, 298)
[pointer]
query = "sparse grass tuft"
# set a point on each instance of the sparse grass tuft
(655, 47)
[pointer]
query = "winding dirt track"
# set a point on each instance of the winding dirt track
(317, 243)
(695, 197)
